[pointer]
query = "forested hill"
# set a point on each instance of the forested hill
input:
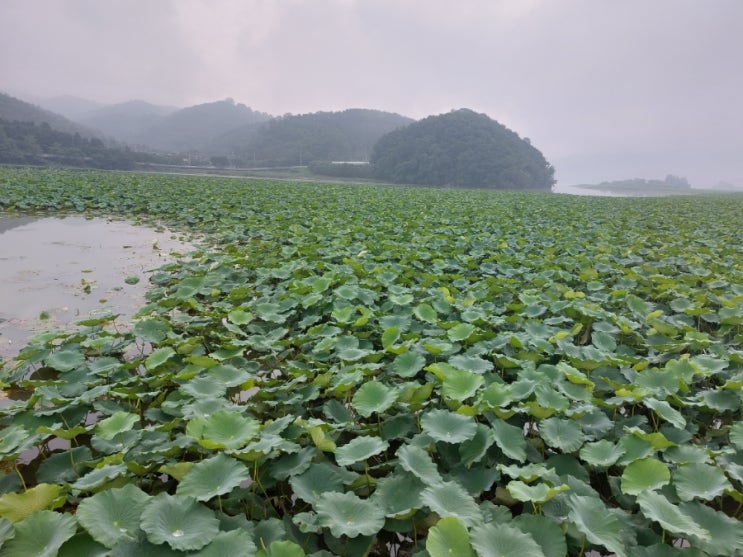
(193, 128)
(40, 144)
(461, 148)
(349, 135)
(16, 110)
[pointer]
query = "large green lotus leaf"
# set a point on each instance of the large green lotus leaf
(83, 545)
(112, 516)
(390, 336)
(666, 412)
(99, 476)
(360, 448)
(547, 533)
(115, 424)
(348, 515)
(240, 317)
(17, 506)
(503, 540)
(686, 454)
(40, 535)
(213, 476)
(159, 357)
(316, 480)
(224, 429)
(538, 493)
(408, 364)
(203, 386)
(510, 439)
(601, 454)
(656, 507)
(451, 499)
(66, 359)
(736, 435)
(152, 330)
(529, 472)
(496, 395)
(460, 384)
(63, 466)
(448, 427)
(700, 481)
(646, 474)
(449, 538)
(426, 313)
(294, 464)
(280, 549)
(471, 363)
(600, 525)
(353, 354)
(596, 424)
(419, 463)
(142, 548)
(402, 299)
(7, 530)
(474, 450)
(104, 365)
(460, 332)
(225, 544)
(565, 435)
(181, 522)
(726, 535)
(227, 375)
(398, 493)
(373, 397)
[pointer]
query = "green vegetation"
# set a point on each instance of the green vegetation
(16, 110)
(461, 149)
(29, 143)
(349, 135)
(341, 370)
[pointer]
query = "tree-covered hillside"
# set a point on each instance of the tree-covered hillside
(349, 135)
(16, 110)
(461, 148)
(193, 128)
(41, 145)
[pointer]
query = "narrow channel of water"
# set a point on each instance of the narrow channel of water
(56, 271)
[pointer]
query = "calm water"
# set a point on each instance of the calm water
(55, 271)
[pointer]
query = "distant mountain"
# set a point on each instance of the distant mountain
(349, 135)
(68, 106)
(196, 127)
(13, 109)
(127, 121)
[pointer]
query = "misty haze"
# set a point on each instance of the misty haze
(348, 278)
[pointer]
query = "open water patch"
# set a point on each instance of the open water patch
(57, 271)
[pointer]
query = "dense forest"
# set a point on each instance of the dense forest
(13, 109)
(291, 140)
(40, 144)
(463, 149)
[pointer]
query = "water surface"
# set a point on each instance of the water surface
(55, 271)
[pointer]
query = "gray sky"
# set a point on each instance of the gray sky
(606, 89)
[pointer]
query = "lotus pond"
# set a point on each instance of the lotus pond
(365, 370)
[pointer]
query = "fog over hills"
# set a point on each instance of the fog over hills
(13, 109)
(126, 121)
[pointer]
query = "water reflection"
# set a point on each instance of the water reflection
(55, 271)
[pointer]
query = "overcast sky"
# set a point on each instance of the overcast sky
(606, 89)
